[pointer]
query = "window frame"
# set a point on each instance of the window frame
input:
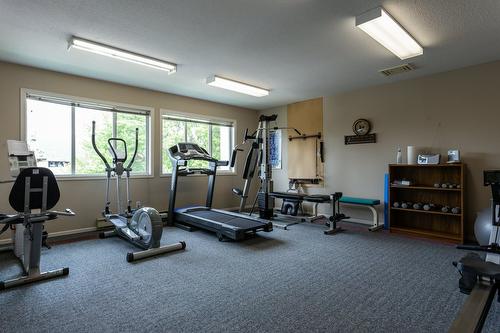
(150, 136)
(196, 116)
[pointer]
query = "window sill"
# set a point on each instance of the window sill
(95, 177)
(224, 173)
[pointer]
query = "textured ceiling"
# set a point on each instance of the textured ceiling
(299, 49)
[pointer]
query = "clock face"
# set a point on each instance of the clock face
(361, 127)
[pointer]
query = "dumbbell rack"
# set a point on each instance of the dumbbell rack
(434, 224)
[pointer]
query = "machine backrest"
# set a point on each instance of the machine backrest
(36, 176)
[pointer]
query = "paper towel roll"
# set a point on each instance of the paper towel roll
(412, 155)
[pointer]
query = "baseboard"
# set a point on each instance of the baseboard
(58, 234)
(358, 221)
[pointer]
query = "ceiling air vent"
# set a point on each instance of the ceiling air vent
(397, 69)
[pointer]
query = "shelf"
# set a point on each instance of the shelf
(442, 165)
(427, 188)
(422, 232)
(425, 211)
(428, 223)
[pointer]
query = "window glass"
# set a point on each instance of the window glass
(59, 130)
(215, 138)
(86, 159)
(48, 134)
(125, 128)
(173, 132)
(198, 133)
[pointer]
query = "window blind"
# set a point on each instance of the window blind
(87, 105)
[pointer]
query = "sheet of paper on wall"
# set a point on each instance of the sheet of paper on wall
(302, 159)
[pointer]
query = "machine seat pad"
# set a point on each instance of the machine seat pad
(288, 195)
(320, 198)
(481, 267)
(359, 201)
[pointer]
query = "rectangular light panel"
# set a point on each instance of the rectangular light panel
(109, 51)
(220, 82)
(384, 29)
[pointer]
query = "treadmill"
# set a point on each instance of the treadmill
(226, 225)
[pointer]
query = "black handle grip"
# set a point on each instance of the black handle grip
(96, 149)
(233, 157)
(129, 166)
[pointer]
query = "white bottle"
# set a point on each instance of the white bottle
(399, 158)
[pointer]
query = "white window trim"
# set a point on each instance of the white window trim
(151, 110)
(167, 112)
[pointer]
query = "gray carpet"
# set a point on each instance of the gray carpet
(295, 280)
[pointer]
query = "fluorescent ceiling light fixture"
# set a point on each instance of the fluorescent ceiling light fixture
(109, 51)
(217, 81)
(384, 29)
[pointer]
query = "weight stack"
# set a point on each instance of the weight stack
(266, 205)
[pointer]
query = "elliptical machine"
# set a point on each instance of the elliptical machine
(481, 278)
(34, 193)
(142, 227)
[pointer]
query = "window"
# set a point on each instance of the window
(216, 136)
(59, 130)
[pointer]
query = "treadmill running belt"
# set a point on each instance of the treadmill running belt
(235, 221)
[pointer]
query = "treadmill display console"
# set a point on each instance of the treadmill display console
(189, 151)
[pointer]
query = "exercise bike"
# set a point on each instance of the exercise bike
(33, 194)
(142, 227)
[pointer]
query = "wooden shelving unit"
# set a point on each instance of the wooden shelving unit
(434, 223)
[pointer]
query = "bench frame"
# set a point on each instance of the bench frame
(374, 222)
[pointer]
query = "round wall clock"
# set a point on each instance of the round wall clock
(361, 127)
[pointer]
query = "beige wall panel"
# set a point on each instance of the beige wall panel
(86, 196)
(307, 117)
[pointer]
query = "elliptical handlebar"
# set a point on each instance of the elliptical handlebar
(114, 152)
(135, 150)
(108, 167)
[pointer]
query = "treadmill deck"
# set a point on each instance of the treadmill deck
(227, 224)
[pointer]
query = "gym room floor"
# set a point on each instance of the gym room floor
(287, 280)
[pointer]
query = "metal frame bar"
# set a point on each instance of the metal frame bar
(473, 313)
(375, 220)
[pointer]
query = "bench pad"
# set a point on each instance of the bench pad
(359, 201)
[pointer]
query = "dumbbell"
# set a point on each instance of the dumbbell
(429, 206)
(417, 206)
(455, 210)
(406, 205)
(396, 204)
(444, 185)
(445, 209)
(437, 185)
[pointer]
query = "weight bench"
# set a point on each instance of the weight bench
(368, 203)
